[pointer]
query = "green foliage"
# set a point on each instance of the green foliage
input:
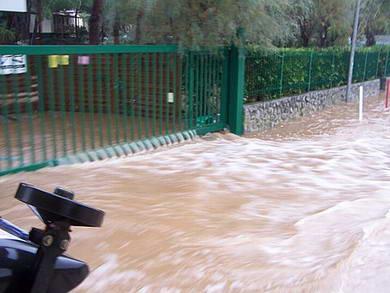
(271, 74)
(198, 23)
(375, 17)
(6, 35)
(321, 23)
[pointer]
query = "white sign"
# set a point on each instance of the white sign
(13, 64)
(171, 97)
(13, 5)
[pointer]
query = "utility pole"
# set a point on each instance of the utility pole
(352, 56)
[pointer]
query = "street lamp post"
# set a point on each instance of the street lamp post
(352, 56)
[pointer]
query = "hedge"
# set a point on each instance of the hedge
(271, 74)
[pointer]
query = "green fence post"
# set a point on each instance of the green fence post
(190, 76)
(235, 118)
(281, 75)
(378, 61)
(365, 67)
(310, 70)
(333, 69)
(386, 62)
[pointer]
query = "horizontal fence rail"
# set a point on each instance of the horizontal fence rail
(273, 74)
(85, 101)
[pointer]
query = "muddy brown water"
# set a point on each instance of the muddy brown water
(300, 208)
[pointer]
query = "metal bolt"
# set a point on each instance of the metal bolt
(64, 244)
(47, 240)
(64, 193)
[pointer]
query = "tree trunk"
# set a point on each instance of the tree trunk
(95, 22)
(76, 29)
(138, 30)
(306, 31)
(323, 36)
(39, 16)
(116, 29)
(370, 36)
(304, 36)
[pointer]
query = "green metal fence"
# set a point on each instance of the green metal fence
(84, 103)
(273, 74)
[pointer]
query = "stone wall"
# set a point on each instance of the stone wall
(263, 115)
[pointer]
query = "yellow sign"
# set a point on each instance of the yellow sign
(63, 60)
(53, 61)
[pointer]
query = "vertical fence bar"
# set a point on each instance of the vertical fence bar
(365, 67)
(378, 60)
(161, 98)
(41, 106)
(28, 90)
(178, 88)
(223, 81)
(201, 85)
(147, 98)
(310, 70)
(61, 89)
(185, 94)
(139, 96)
(387, 62)
(82, 106)
(190, 72)
(212, 110)
(116, 84)
(154, 83)
(19, 130)
(281, 75)
(5, 123)
(333, 68)
(175, 98)
(209, 84)
(72, 97)
(206, 84)
(91, 107)
(132, 94)
(124, 92)
(99, 78)
(167, 89)
(197, 89)
(107, 78)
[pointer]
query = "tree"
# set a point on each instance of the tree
(321, 22)
(333, 22)
(375, 19)
(212, 22)
(302, 13)
(95, 22)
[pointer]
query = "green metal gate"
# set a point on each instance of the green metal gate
(85, 103)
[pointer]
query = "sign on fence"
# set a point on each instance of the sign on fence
(13, 64)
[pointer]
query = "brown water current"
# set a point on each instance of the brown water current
(300, 208)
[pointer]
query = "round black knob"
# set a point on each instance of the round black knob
(53, 207)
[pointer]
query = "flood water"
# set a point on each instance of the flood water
(304, 207)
